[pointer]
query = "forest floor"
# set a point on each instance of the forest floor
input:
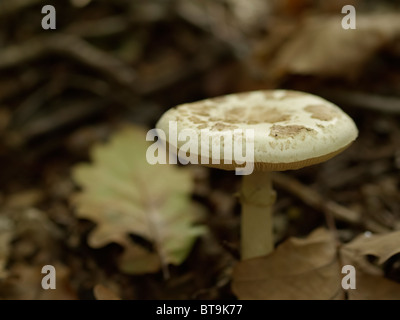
(108, 65)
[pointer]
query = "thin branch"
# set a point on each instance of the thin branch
(364, 100)
(72, 112)
(72, 46)
(84, 52)
(314, 199)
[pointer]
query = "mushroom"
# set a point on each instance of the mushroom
(291, 130)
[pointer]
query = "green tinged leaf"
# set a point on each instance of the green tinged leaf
(124, 194)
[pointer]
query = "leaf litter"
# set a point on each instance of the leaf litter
(28, 241)
(310, 269)
(207, 46)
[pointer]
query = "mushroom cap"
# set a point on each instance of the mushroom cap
(292, 129)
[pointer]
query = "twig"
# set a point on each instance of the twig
(32, 102)
(71, 46)
(19, 83)
(314, 199)
(62, 117)
(84, 52)
(329, 207)
(369, 101)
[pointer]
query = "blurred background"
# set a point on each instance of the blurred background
(109, 63)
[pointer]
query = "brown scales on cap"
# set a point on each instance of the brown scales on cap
(283, 132)
(289, 126)
(320, 112)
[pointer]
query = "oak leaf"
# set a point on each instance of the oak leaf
(123, 194)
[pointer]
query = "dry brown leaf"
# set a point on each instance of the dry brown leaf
(372, 287)
(322, 47)
(298, 269)
(370, 281)
(25, 283)
(103, 293)
(382, 246)
(310, 269)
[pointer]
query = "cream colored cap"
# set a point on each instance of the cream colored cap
(292, 129)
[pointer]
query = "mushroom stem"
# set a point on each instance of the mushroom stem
(257, 198)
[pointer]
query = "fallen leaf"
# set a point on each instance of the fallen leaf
(25, 283)
(322, 47)
(298, 269)
(382, 246)
(310, 269)
(123, 194)
(370, 281)
(103, 293)
(372, 287)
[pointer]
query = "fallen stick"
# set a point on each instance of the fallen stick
(72, 46)
(390, 105)
(85, 53)
(315, 200)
